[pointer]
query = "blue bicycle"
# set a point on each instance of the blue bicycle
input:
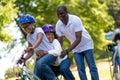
(114, 49)
(26, 73)
(29, 75)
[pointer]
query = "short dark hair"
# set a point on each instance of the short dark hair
(62, 7)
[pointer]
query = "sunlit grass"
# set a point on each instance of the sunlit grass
(103, 69)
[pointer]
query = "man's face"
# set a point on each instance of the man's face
(62, 15)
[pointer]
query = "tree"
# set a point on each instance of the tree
(114, 10)
(93, 14)
(8, 12)
(95, 19)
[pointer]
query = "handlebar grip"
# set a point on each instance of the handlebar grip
(21, 60)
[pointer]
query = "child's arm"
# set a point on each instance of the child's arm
(30, 52)
(38, 41)
(56, 51)
(41, 53)
(57, 48)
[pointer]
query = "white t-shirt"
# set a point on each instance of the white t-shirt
(74, 25)
(56, 52)
(53, 48)
(44, 45)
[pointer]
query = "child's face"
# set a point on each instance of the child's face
(27, 27)
(50, 36)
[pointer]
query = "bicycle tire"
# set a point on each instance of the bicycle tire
(115, 67)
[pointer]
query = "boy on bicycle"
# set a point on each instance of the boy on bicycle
(37, 40)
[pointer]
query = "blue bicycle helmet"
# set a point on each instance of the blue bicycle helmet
(26, 19)
(48, 28)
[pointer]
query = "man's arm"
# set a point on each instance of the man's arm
(76, 42)
(60, 39)
(73, 45)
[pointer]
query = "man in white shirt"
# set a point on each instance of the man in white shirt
(71, 27)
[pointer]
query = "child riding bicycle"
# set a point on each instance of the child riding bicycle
(63, 63)
(37, 40)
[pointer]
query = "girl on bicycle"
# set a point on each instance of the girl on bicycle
(37, 40)
(64, 63)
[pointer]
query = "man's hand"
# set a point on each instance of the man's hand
(41, 53)
(63, 53)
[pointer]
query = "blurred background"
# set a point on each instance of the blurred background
(98, 17)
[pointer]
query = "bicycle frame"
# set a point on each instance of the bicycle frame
(115, 36)
(28, 75)
(26, 72)
(116, 62)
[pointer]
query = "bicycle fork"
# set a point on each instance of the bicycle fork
(116, 62)
(24, 72)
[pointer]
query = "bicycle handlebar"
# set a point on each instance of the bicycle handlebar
(25, 51)
(113, 35)
(22, 59)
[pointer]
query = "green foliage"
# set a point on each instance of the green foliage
(11, 72)
(95, 18)
(7, 14)
(43, 10)
(16, 71)
(30, 65)
(5, 37)
(114, 10)
(93, 14)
